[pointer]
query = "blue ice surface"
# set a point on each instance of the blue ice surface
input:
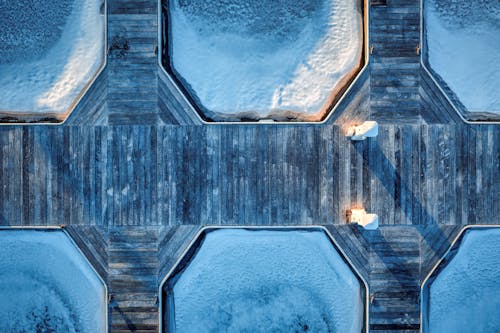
(28, 28)
(47, 286)
(469, 33)
(267, 281)
(465, 295)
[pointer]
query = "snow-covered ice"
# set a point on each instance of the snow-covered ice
(465, 295)
(264, 58)
(46, 285)
(48, 53)
(463, 48)
(267, 281)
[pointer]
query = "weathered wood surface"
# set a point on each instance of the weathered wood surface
(353, 241)
(143, 175)
(133, 280)
(439, 104)
(132, 62)
(134, 196)
(395, 66)
(172, 241)
(134, 89)
(400, 257)
(93, 242)
(354, 108)
(435, 107)
(173, 106)
(394, 260)
(137, 91)
(435, 240)
(394, 279)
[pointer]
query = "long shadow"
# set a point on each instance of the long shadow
(114, 307)
(425, 217)
(403, 270)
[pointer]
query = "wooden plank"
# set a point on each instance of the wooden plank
(132, 279)
(174, 108)
(395, 70)
(394, 278)
(97, 176)
(134, 178)
(132, 72)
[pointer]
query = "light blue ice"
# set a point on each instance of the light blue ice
(47, 286)
(465, 296)
(468, 32)
(268, 281)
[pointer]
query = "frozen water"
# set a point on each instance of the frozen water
(465, 295)
(26, 25)
(48, 52)
(267, 281)
(265, 59)
(46, 285)
(463, 48)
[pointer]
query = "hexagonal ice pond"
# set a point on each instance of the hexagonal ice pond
(46, 285)
(463, 293)
(461, 47)
(250, 60)
(251, 280)
(49, 53)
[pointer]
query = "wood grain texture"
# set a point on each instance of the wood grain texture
(395, 66)
(132, 62)
(394, 260)
(435, 107)
(262, 175)
(133, 281)
(93, 242)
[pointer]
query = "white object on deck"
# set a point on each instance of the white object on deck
(368, 129)
(367, 221)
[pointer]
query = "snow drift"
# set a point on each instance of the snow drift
(48, 53)
(265, 59)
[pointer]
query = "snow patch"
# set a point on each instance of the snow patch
(45, 65)
(265, 59)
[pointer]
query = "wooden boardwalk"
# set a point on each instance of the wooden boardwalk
(133, 280)
(134, 174)
(394, 38)
(132, 64)
(394, 279)
(133, 89)
(260, 175)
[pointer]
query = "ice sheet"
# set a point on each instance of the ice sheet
(463, 46)
(267, 281)
(465, 296)
(46, 286)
